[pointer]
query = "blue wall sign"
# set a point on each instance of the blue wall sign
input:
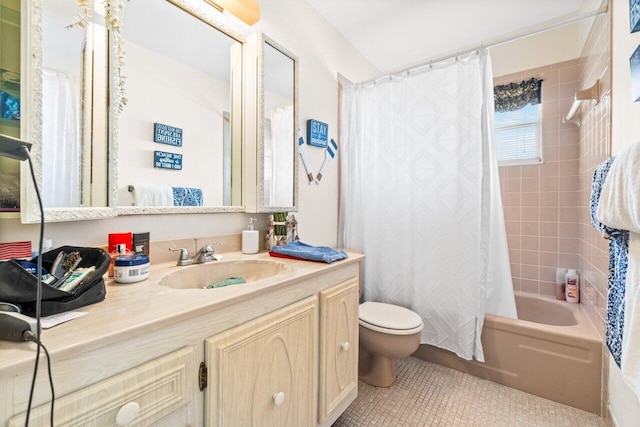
(167, 134)
(317, 133)
(164, 160)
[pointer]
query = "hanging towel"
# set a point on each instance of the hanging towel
(619, 208)
(618, 249)
(299, 250)
(153, 195)
(620, 199)
(186, 196)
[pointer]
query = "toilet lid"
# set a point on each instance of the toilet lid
(389, 316)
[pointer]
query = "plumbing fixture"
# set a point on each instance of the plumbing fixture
(205, 254)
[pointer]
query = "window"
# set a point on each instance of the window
(518, 138)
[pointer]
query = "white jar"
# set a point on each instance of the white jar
(131, 268)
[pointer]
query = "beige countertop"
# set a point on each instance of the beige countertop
(143, 307)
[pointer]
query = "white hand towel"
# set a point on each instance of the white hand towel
(152, 195)
(620, 198)
(631, 333)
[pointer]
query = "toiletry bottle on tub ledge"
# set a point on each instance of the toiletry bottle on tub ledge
(572, 286)
(561, 277)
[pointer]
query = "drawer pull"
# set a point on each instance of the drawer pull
(278, 398)
(345, 346)
(127, 413)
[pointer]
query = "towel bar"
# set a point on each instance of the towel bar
(592, 94)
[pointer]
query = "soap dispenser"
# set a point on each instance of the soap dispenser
(250, 238)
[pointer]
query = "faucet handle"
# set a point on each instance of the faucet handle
(184, 254)
(209, 247)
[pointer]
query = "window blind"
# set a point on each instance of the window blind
(518, 135)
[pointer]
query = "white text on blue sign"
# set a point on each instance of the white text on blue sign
(165, 134)
(164, 160)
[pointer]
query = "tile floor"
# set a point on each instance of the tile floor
(427, 394)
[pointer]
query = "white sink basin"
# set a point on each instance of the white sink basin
(201, 275)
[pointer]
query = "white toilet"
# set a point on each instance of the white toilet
(387, 332)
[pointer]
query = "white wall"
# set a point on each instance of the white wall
(323, 53)
(625, 130)
(179, 96)
(550, 47)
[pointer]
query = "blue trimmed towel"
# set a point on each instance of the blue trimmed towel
(186, 196)
(303, 251)
(619, 208)
(618, 250)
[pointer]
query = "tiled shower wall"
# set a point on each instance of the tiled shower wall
(546, 206)
(541, 201)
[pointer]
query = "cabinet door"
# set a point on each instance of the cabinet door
(338, 347)
(262, 373)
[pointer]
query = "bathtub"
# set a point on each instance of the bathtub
(552, 351)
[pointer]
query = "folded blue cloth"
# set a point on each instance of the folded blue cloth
(186, 196)
(618, 251)
(312, 253)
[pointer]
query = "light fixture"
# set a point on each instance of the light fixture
(245, 10)
(14, 148)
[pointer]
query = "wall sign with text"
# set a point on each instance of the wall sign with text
(317, 133)
(165, 134)
(165, 160)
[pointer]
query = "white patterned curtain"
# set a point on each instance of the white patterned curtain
(61, 142)
(416, 197)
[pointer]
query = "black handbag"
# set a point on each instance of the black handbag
(18, 286)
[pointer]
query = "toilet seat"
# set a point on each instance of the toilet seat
(389, 319)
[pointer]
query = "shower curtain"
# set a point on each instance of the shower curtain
(278, 162)
(61, 142)
(418, 188)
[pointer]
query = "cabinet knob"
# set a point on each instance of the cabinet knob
(345, 346)
(278, 398)
(127, 413)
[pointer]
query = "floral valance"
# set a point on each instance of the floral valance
(514, 96)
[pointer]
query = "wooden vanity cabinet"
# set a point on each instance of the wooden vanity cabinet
(338, 350)
(263, 372)
(286, 357)
(156, 392)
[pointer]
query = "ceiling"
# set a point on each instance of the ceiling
(399, 33)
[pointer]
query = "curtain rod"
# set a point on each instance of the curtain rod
(600, 11)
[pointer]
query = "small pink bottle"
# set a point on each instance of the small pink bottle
(572, 282)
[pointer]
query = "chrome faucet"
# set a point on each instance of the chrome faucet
(205, 254)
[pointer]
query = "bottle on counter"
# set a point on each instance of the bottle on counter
(250, 239)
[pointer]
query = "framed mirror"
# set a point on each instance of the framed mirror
(180, 134)
(276, 114)
(65, 113)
